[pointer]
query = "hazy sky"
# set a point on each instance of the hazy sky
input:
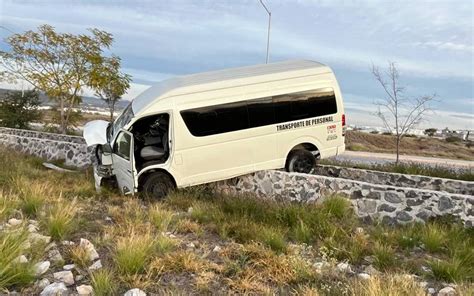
(432, 42)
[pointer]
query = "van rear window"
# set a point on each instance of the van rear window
(236, 116)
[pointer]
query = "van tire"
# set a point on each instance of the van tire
(300, 161)
(157, 186)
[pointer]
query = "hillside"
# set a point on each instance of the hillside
(421, 146)
(58, 233)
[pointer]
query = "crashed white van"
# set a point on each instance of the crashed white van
(212, 126)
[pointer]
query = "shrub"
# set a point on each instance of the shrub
(59, 220)
(453, 139)
(336, 206)
(273, 238)
(8, 203)
(17, 110)
(32, 197)
(159, 217)
(302, 233)
(433, 237)
(80, 256)
(456, 269)
(12, 272)
(133, 252)
(384, 256)
(103, 282)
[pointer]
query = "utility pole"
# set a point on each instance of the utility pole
(268, 33)
(22, 82)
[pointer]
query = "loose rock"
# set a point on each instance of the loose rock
(90, 249)
(38, 238)
(134, 292)
(371, 270)
(41, 284)
(21, 259)
(55, 256)
(344, 267)
(68, 243)
(64, 276)
(96, 265)
(363, 276)
(14, 222)
(69, 266)
(447, 291)
(84, 290)
(41, 267)
(32, 228)
(54, 289)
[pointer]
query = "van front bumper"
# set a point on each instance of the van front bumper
(101, 172)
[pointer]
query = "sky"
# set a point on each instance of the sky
(430, 41)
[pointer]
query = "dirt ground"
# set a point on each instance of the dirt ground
(421, 146)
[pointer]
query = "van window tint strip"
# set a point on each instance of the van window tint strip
(231, 117)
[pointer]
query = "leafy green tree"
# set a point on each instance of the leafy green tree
(17, 110)
(109, 83)
(58, 64)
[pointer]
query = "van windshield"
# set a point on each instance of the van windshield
(122, 120)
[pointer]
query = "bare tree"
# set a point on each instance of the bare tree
(398, 112)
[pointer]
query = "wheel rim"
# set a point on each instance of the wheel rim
(302, 165)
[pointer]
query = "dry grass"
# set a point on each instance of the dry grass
(133, 251)
(160, 217)
(79, 255)
(388, 285)
(359, 141)
(59, 220)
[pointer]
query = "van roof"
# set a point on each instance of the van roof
(206, 81)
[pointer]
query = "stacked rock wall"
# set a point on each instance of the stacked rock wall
(72, 149)
(400, 180)
(390, 204)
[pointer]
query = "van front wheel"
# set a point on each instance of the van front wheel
(157, 186)
(300, 161)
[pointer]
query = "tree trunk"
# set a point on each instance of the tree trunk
(61, 122)
(398, 150)
(112, 109)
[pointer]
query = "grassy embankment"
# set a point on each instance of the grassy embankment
(262, 246)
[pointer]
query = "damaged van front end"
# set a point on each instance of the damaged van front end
(96, 133)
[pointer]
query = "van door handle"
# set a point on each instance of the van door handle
(130, 171)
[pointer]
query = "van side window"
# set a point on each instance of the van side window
(122, 145)
(231, 117)
(216, 119)
(261, 112)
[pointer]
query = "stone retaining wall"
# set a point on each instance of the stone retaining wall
(400, 180)
(387, 203)
(71, 149)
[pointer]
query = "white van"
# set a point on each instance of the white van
(212, 126)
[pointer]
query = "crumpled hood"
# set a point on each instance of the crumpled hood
(95, 132)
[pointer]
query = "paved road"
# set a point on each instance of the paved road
(381, 158)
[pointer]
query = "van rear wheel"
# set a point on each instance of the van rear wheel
(157, 186)
(300, 161)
